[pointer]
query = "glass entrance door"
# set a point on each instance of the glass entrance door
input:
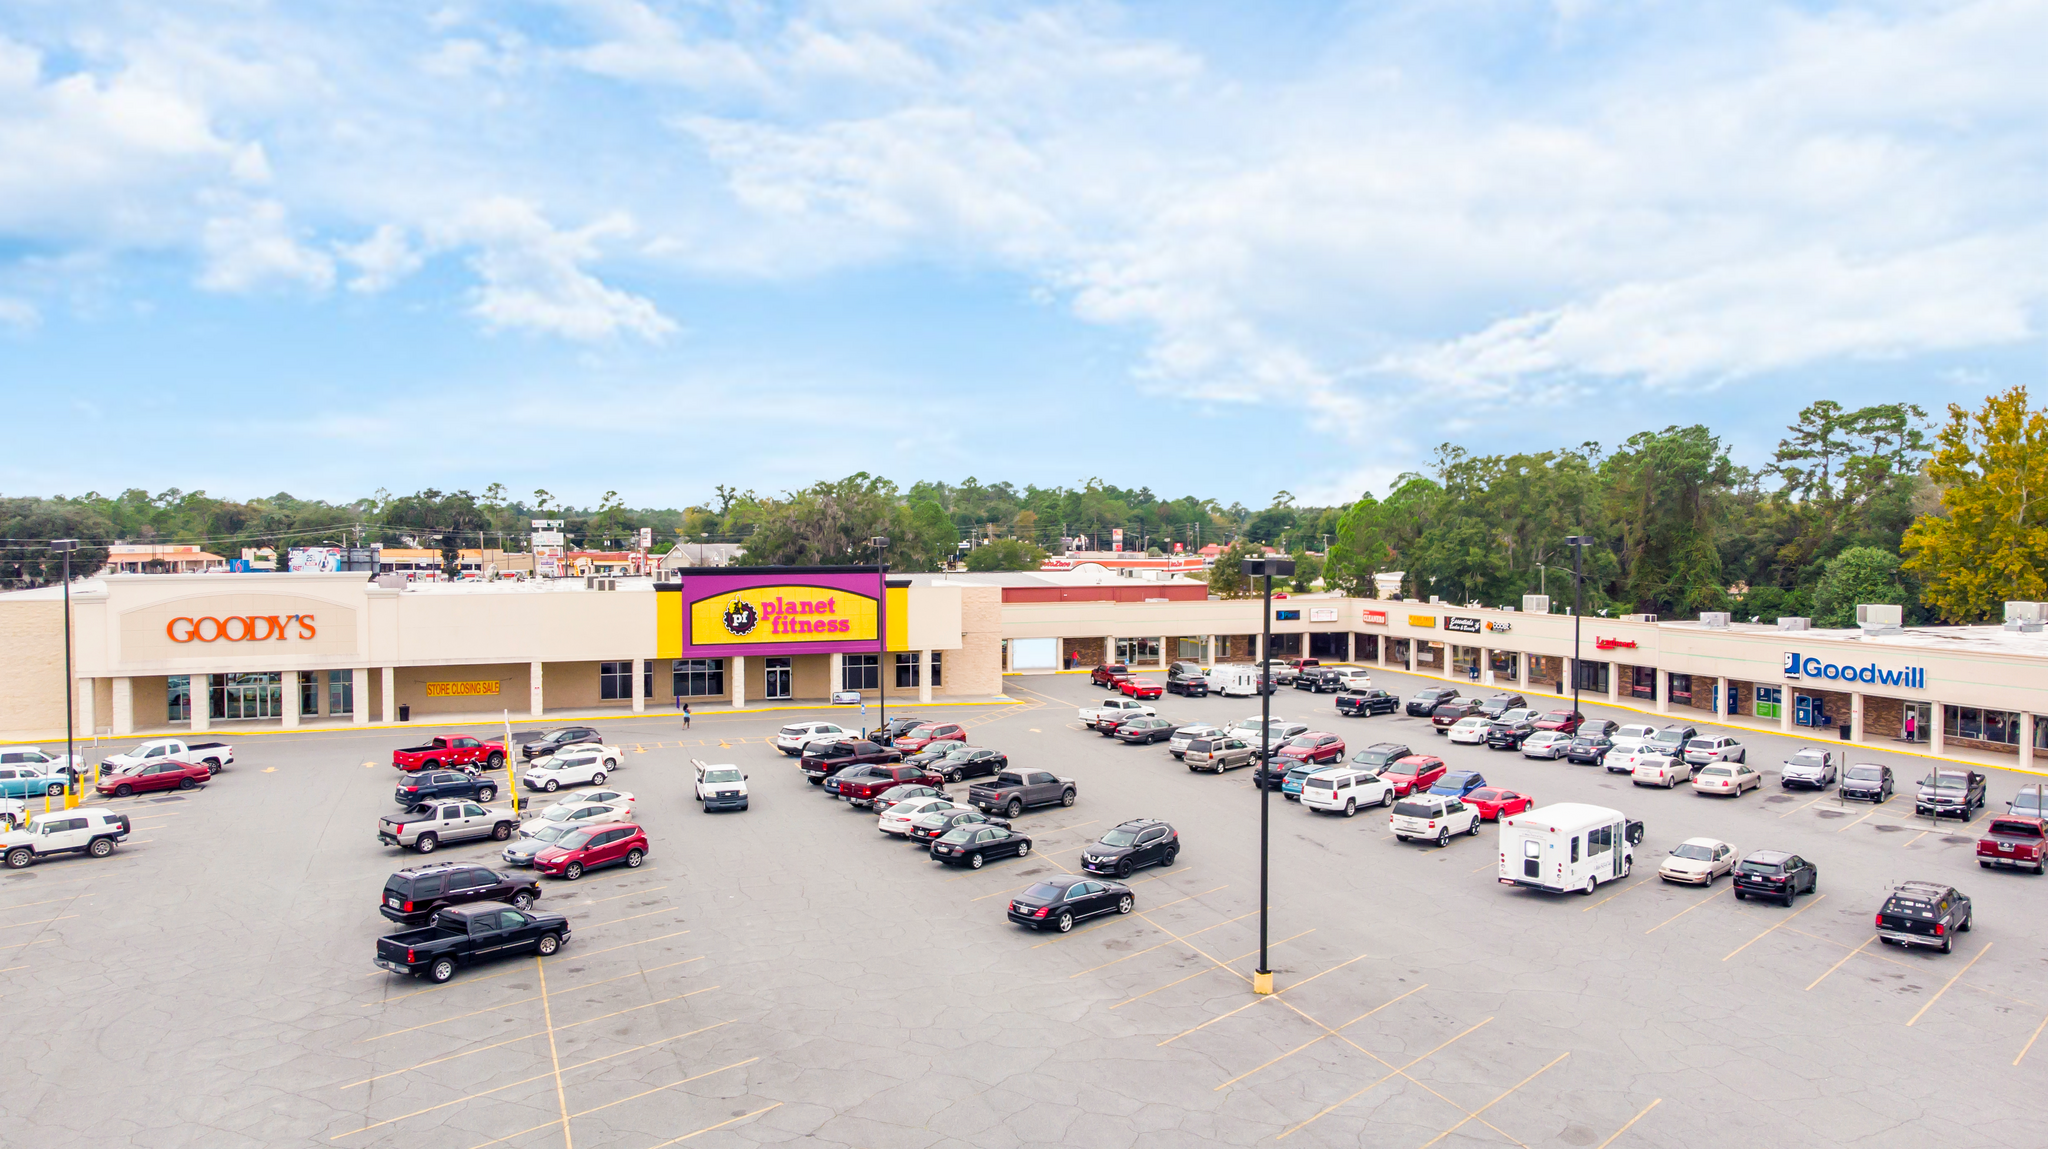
(778, 674)
(254, 695)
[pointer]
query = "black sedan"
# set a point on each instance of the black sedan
(1141, 730)
(557, 738)
(426, 785)
(1366, 703)
(962, 762)
(935, 825)
(1136, 843)
(975, 845)
(1508, 735)
(1062, 901)
(931, 756)
(1588, 749)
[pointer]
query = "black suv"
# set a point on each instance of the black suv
(411, 897)
(1500, 704)
(1322, 680)
(1508, 735)
(1425, 702)
(557, 738)
(1775, 874)
(1133, 845)
(416, 788)
(1367, 702)
(1588, 749)
(1924, 914)
(1380, 755)
(888, 732)
(1187, 678)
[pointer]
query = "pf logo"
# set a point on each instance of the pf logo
(740, 617)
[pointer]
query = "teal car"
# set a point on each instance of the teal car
(29, 782)
(1290, 784)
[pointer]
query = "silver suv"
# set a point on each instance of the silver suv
(1219, 754)
(428, 825)
(1714, 748)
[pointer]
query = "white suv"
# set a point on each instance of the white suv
(81, 831)
(792, 739)
(1344, 790)
(572, 766)
(1354, 678)
(1432, 817)
(1631, 737)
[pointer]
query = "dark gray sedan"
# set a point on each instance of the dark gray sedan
(522, 850)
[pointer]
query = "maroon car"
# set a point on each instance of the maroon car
(1106, 674)
(1413, 774)
(156, 776)
(929, 733)
(1562, 721)
(1314, 746)
(875, 781)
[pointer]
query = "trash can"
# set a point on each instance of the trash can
(1844, 728)
(405, 712)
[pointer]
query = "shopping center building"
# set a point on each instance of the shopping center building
(284, 650)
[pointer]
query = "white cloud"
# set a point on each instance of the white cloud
(534, 275)
(19, 314)
(381, 260)
(255, 247)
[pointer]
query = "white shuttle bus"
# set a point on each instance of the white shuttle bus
(1568, 846)
(1234, 680)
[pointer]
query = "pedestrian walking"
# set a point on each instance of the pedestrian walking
(686, 716)
(1912, 725)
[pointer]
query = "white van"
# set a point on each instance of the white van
(1236, 680)
(1567, 846)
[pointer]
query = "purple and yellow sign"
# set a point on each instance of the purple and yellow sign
(772, 610)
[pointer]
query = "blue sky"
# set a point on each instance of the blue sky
(1213, 248)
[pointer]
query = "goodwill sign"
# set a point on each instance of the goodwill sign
(1799, 666)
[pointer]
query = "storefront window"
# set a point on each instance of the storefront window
(309, 692)
(178, 696)
(1642, 681)
(860, 672)
(906, 669)
(614, 680)
(1592, 675)
(937, 661)
(698, 677)
(341, 692)
(1502, 662)
(1141, 651)
(1366, 648)
(1681, 687)
(1185, 649)
(2002, 726)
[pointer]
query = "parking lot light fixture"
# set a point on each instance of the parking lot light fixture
(65, 547)
(878, 544)
(1578, 543)
(1265, 568)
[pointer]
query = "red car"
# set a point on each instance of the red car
(929, 733)
(1494, 803)
(1414, 773)
(589, 847)
(1140, 689)
(1106, 674)
(1314, 746)
(156, 776)
(1562, 721)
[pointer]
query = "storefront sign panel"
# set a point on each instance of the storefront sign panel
(207, 628)
(1806, 666)
(798, 610)
(1422, 620)
(1462, 625)
(461, 689)
(1500, 627)
(1322, 614)
(1375, 617)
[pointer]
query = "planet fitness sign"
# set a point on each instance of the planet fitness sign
(1803, 666)
(772, 611)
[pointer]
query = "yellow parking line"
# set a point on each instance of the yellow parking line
(1125, 958)
(36, 921)
(1200, 972)
(37, 942)
(1631, 1123)
(2023, 1049)
(616, 921)
(1619, 892)
(633, 893)
(1843, 962)
(1686, 910)
(609, 1104)
(517, 1000)
(629, 945)
(1912, 965)
(1818, 899)
(1794, 810)
(1402, 1071)
(1874, 808)
(1325, 1036)
(1213, 1020)
(720, 1125)
(433, 988)
(1916, 837)
(1496, 1101)
(45, 902)
(1951, 981)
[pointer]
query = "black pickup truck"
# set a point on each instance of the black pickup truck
(821, 760)
(1365, 703)
(461, 935)
(1012, 790)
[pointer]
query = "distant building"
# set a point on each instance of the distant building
(146, 558)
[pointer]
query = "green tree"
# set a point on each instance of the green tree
(1857, 575)
(1989, 543)
(1308, 570)
(1005, 555)
(827, 524)
(1227, 578)
(1359, 550)
(1664, 493)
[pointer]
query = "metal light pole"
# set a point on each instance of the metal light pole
(879, 543)
(1266, 568)
(65, 547)
(1578, 544)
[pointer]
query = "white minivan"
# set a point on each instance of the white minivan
(1236, 680)
(1344, 791)
(1566, 846)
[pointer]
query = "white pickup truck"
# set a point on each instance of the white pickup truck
(720, 786)
(213, 755)
(1115, 711)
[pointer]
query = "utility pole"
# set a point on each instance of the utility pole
(65, 547)
(1578, 545)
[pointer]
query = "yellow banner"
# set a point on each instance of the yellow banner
(460, 689)
(782, 614)
(1421, 620)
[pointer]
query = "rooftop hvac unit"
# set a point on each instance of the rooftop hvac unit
(1795, 624)
(1714, 619)
(1883, 614)
(1535, 604)
(1639, 618)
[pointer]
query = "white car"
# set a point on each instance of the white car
(1660, 770)
(792, 739)
(42, 761)
(1470, 730)
(1698, 861)
(1343, 789)
(1354, 678)
(1248, 729)
(1518, 714)
(1729, 778)
(897, 819)
(1432, 817)
(581, 814)
(587, 797)
(720, 786)
(1178, 744)
(1626, 761)
(580, 764)
(1546, 744)
(1631, 737)
(1120, 709)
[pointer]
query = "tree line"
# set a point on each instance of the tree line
(1854, 506)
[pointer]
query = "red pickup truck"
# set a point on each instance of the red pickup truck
(449, 750)
(1108, 673)
(2015, 841)
(879, 780)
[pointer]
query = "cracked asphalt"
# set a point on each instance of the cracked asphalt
(788, 976)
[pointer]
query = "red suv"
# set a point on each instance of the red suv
(156, 776)
(1314, 746)
(589, 847)
(1562, 721)
(1107, 674)
(1413, 774)
(929, 733)
(1139, 688)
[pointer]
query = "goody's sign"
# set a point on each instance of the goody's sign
(1806, 666)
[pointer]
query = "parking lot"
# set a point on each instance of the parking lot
(788, 975)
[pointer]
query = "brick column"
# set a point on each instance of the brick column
(359, 695)
(123, 718)
(201, 690)
(639, 685)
